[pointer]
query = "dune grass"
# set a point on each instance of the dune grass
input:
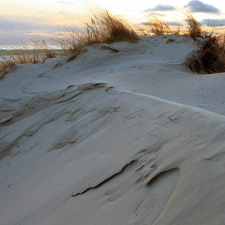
(194, 27)
(6, 66)
(210, 57)
(10, 58)
(157, 26)
(13, 57)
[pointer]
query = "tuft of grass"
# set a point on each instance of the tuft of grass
(194, 27)
(102, 28)
(72, 39)
(17, 56)
(117, 29)
(210, 58)
(157, 26)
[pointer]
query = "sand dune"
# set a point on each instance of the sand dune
(127, 137)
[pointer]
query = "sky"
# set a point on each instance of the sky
(29, 19)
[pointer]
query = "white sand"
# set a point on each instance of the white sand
(129, 138)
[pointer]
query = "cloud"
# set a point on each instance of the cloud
(198, 6)
(161, 8)
(213, 23)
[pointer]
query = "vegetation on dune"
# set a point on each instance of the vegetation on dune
(107, 28)
(210, 57)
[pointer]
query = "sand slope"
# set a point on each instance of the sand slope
(104, 139)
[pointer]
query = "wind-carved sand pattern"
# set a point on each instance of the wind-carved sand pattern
(133, 176)
(119, 144)
(158, 169)
(45, 108)
(161, 189)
